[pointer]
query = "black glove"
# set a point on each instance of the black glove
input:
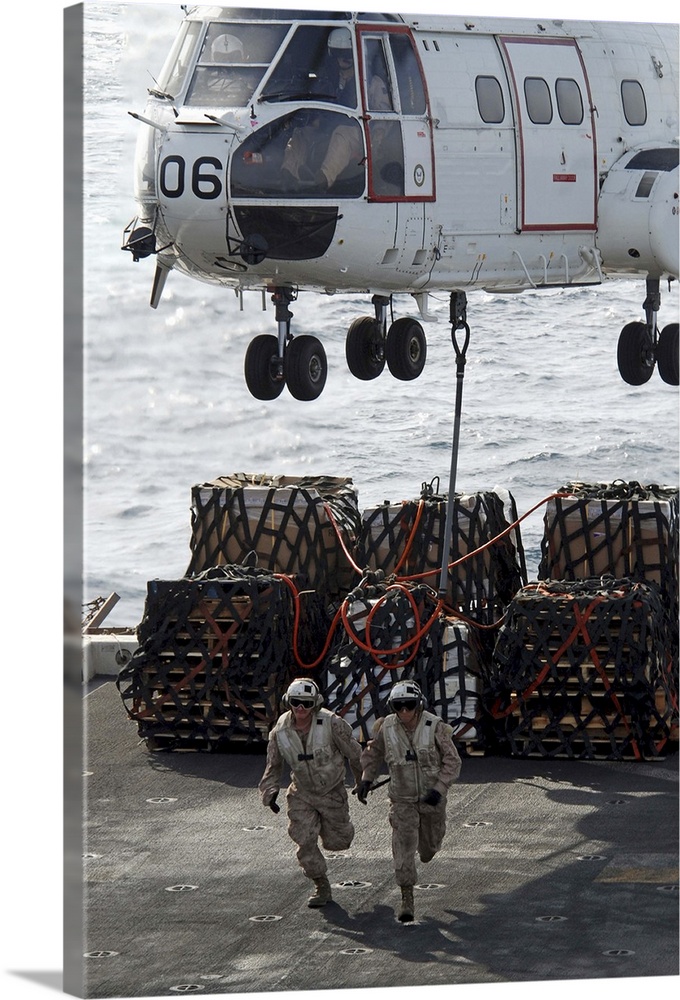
(362, 790)
(432, 798)
(272, 804)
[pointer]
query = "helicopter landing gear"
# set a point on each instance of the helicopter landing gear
(272, 362)
(305, 367)
(406, 349)
(667, 354)
(641, 346)
(369, 345)
(635, 354)
(264, 373)
(365, 343)
(365, 348)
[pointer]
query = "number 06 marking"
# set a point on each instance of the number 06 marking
(204, 184)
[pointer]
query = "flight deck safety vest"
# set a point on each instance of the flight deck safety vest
(318, 768)
(413, 762)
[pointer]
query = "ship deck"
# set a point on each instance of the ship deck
(551, 870)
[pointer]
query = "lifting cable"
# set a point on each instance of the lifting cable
(458, 317)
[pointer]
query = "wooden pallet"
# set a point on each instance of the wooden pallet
(192, 739)
(188, 690)
(577, 749)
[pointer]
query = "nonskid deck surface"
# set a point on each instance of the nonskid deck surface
(551, 869)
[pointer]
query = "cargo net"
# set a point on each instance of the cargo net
(214, 658)
(485, 571)
(389, 632)
(296, 526)
(583, 670)
(619, 529)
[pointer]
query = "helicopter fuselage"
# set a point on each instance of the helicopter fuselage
(502, 154)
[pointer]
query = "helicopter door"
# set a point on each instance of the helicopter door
(398, 123)
(556, 141)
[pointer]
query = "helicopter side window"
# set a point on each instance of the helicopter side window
(317, 65)
(634, 103)
(489, 99)
(232, 62)
(569, 101)
(539, 101)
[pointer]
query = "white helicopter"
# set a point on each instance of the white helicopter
(288, 150)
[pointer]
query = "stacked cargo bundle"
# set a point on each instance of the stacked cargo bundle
(214, 657)
(407, 539)
(395, 631)
(582, 670)
(297, 526)
(618, 529)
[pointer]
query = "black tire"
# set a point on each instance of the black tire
(406, 349)
(635, 354)
(365, 349)
(260, 367)
(667, 354)
(306, 367)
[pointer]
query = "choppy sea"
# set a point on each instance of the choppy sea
(166, 406)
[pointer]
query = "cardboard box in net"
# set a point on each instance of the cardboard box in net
(280, 523)
(408, 538)
(592, 537)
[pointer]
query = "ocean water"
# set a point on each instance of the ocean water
(166, 405)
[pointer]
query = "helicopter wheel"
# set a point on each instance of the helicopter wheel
(364, 349)
(306, 367)
(667, 354)
(635, 354)
(261, 367)
(406, 349)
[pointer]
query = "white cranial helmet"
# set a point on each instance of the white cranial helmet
(340, 42)
(226, 49)
(303, 687)
(406, 691)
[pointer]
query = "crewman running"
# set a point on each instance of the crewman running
(315, 743)
(423, 763)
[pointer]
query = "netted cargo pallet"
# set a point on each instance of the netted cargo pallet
(583, 670)
(284, 524)
(617, 529)
(393, 632)
(215, 656)
(407, 539)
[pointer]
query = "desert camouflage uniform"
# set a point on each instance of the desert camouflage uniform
(316, 798)
(418, 761)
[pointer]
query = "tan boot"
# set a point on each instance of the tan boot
(407, 909)
(321, 894)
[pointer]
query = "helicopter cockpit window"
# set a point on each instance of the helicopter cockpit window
(232, 62)
(378, 84)
(317, 65)
(309, 153)
(410, 81)
(172, 77)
